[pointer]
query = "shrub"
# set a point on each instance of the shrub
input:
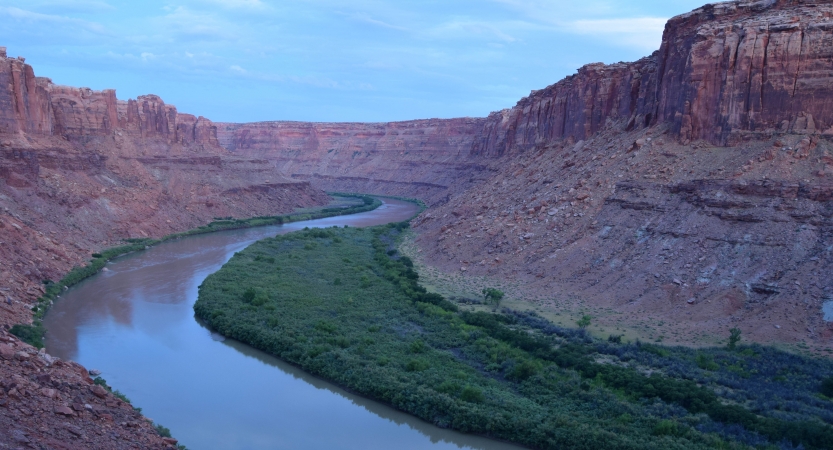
(472, 394)
(706, 362)
(416, 365)
(584, 322)
(30, 334)
(249, 294)
(162, 431)
(666, 428)
(524, 370)
(492, 296)
(418, 346)
(734, 338)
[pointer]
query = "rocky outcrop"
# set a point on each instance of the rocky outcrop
(418, 158)
(724, 73)
(49, 403)
(34, 105)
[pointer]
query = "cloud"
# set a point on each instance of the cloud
(366, 18)
(68, 6)
(643, 32)
(35, 28)
(238, 4)
(593, 18)
(467, 29)
(189, 25)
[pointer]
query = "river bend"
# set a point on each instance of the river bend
(135, 322)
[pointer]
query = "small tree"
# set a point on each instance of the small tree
(492, 296)
(584, 322)
(734, 338)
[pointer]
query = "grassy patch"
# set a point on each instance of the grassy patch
(513, 375)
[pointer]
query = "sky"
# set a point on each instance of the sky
(329, 60)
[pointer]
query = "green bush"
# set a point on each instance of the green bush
(30, 334)
(472, 395)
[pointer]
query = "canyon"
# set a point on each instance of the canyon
(693, 186)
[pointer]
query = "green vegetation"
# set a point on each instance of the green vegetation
(584, 322)
(734, 338)
(509, 375)
(103, 383)
(166, 432)
(492, 296)
(33, 334)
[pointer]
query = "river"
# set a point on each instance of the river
(135, 322)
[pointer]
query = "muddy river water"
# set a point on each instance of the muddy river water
(135, 322)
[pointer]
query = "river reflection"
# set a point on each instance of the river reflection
(135, 322)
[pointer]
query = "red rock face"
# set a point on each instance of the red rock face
(35, 105)
(418, 158)
(724, 73)
(76, 159)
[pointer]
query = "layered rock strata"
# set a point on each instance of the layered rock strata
(638, 230)
(724, 73)
(419, 158)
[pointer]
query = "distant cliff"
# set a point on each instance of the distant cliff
(418, 158)
(80, 170)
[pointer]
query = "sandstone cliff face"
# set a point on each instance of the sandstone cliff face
(418, 158)
(724, 73)
(36, 106)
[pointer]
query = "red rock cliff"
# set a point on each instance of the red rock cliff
(34, 105)
(418, 158)
(724, 72)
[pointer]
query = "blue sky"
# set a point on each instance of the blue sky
(328, 60)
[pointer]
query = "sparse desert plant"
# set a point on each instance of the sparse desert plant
(492, 296)
(734, 338)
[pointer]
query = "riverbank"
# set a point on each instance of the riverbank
(343, 305)
(136, 324)
(33, 334)
(40, 405)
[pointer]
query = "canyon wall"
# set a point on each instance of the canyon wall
(690, 187)
(418, 158)
(724, 73)
(36, 106)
